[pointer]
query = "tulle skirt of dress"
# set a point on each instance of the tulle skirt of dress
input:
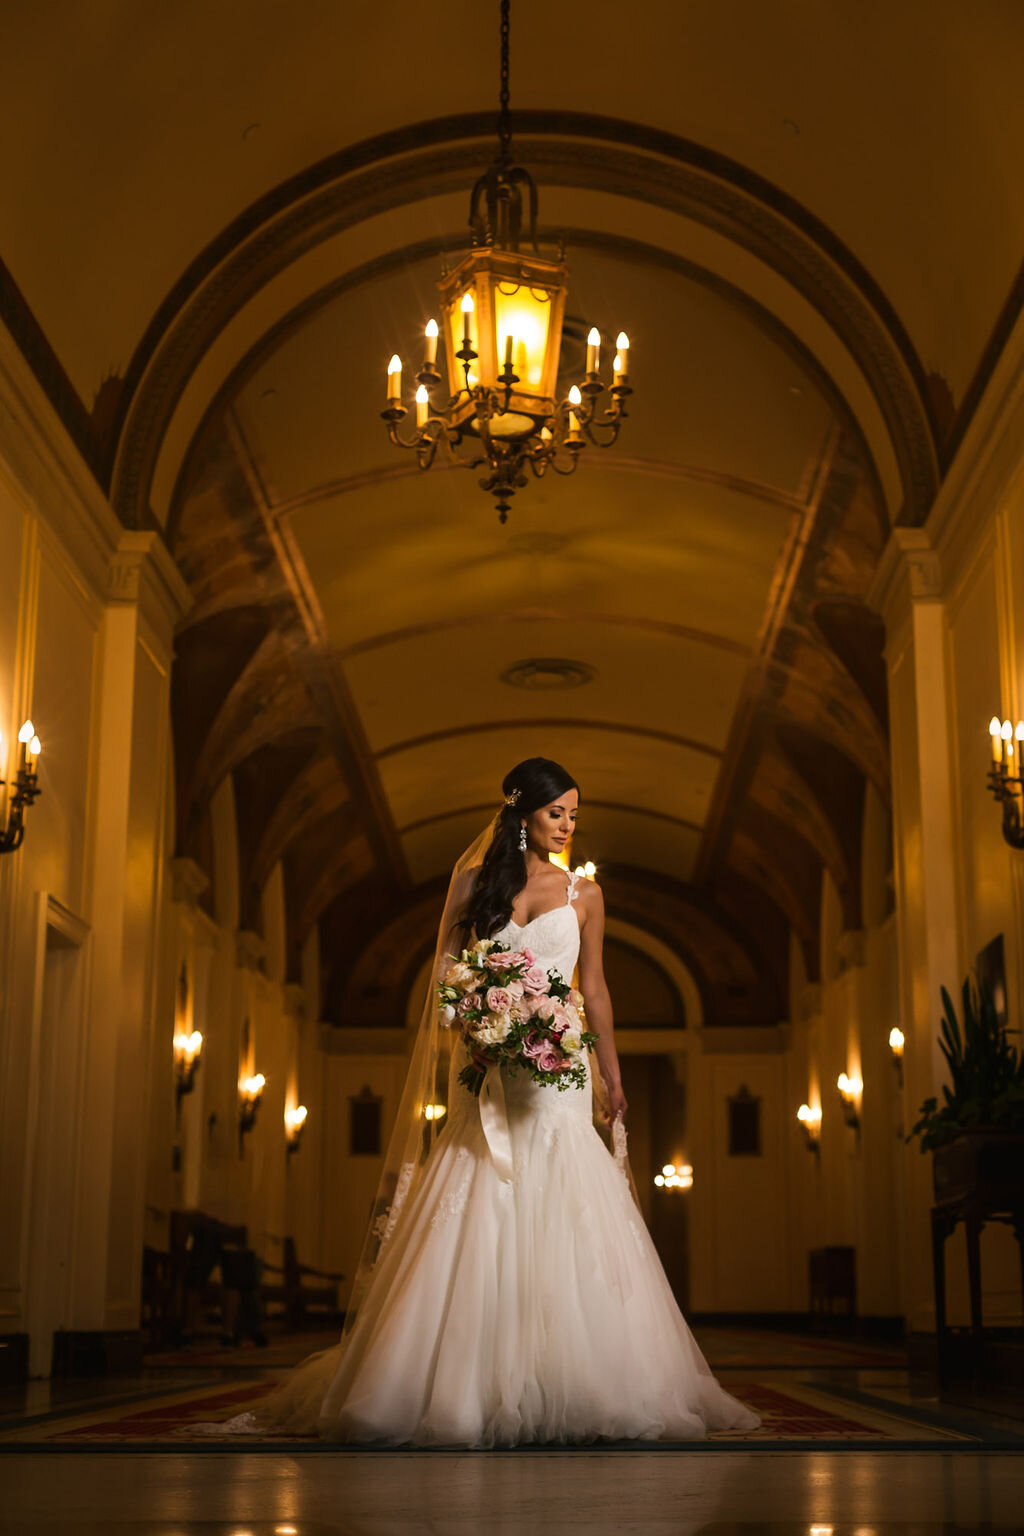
(507, 1314)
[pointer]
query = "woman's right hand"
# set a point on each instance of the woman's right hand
(617, 1105)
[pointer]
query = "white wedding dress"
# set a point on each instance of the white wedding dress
(506, 1313)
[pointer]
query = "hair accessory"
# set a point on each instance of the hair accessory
(512, 796)
(522, 838)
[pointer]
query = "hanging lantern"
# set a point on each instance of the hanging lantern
(501, 323)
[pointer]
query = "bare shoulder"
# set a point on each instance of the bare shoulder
(589, 898)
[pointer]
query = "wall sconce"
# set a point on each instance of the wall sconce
(810, 1122)
(294, 1125)
(250, 1091)
(587, 871)
(672, 1177)
(896, 1044)
(434, 1111)
(850, 1090)
(25, 789)
(187, 1051)
(1005, 780)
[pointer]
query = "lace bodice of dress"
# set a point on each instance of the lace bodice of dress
(554, 936)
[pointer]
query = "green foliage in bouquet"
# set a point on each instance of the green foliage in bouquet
(987, 1074)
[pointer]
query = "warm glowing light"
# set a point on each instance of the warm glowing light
(672, 1177)
(1006, 731)
(995, 731)
(593, 349)
(35, 746)
(896, 1041)
(622, 343)
(295, 1118)
(467, 306)
(395, 378)
(27, 731)
(422, 406)
(525, 316)
(431, 334)
(590, 869)
(808, 1116)
(575, 398)
(188, 1047)
(1019, 732)
(849, 1087)
(252, 1087)
(286, 1530)
(434, 1111)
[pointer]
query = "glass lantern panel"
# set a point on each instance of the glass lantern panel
(525, 315)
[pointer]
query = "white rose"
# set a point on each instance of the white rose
(571, 1042)
(446, 1015)
(460, 976)
(493, 1029)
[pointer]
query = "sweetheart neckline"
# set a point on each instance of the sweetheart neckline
(566, 907)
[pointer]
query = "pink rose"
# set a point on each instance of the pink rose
(532, 1006)
(535, 981)
(529, 958)
(514, 958)
(575, 998)
(515, 989)
(560, 1020)
(498, 1000)
(497, 962)
(535, 1045)
(552, 1060)
(471, 1000)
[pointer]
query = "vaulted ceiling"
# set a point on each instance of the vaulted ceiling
(811, 224)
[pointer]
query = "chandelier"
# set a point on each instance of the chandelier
(501, 328)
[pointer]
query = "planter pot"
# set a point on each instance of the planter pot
(984, 1164)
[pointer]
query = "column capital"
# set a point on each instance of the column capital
(249, 949)
(908, 572)
(851, 948)
(142, 571)
(293, 998)
(188, 881)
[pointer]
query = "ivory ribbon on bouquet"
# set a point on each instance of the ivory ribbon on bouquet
(494, 1119)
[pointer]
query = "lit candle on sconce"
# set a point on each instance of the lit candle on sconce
(422, 407)
(575, 399)
(294, 1124)
(434, 1111)
(395, 380)
(510, 342)
(810, 1121)
(621, 366)
(467, 307)
(16, 797)
(1006, 776)
(250, 1092)
(430, 356)
(896, 1044)
(593, 349)
(850, 1090)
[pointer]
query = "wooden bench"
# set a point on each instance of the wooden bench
(294, 1293)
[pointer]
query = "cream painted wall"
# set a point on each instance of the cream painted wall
(85, 630)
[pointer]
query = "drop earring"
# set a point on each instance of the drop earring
(522, 837)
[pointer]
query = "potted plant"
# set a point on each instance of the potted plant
(977, 1134)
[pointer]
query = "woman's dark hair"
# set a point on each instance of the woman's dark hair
(502, 876)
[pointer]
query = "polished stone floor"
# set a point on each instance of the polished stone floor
(543, 1493)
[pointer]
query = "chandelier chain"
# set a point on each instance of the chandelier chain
(504, 119)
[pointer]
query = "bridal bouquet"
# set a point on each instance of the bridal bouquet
(514, 1014)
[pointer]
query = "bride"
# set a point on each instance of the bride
(509, 1292)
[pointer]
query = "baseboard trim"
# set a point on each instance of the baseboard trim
(863, 1328)
(98, 1352)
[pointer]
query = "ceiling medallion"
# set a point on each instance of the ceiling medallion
(501, 325)
(541, 673)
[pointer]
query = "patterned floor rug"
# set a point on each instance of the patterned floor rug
(793, 1414)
